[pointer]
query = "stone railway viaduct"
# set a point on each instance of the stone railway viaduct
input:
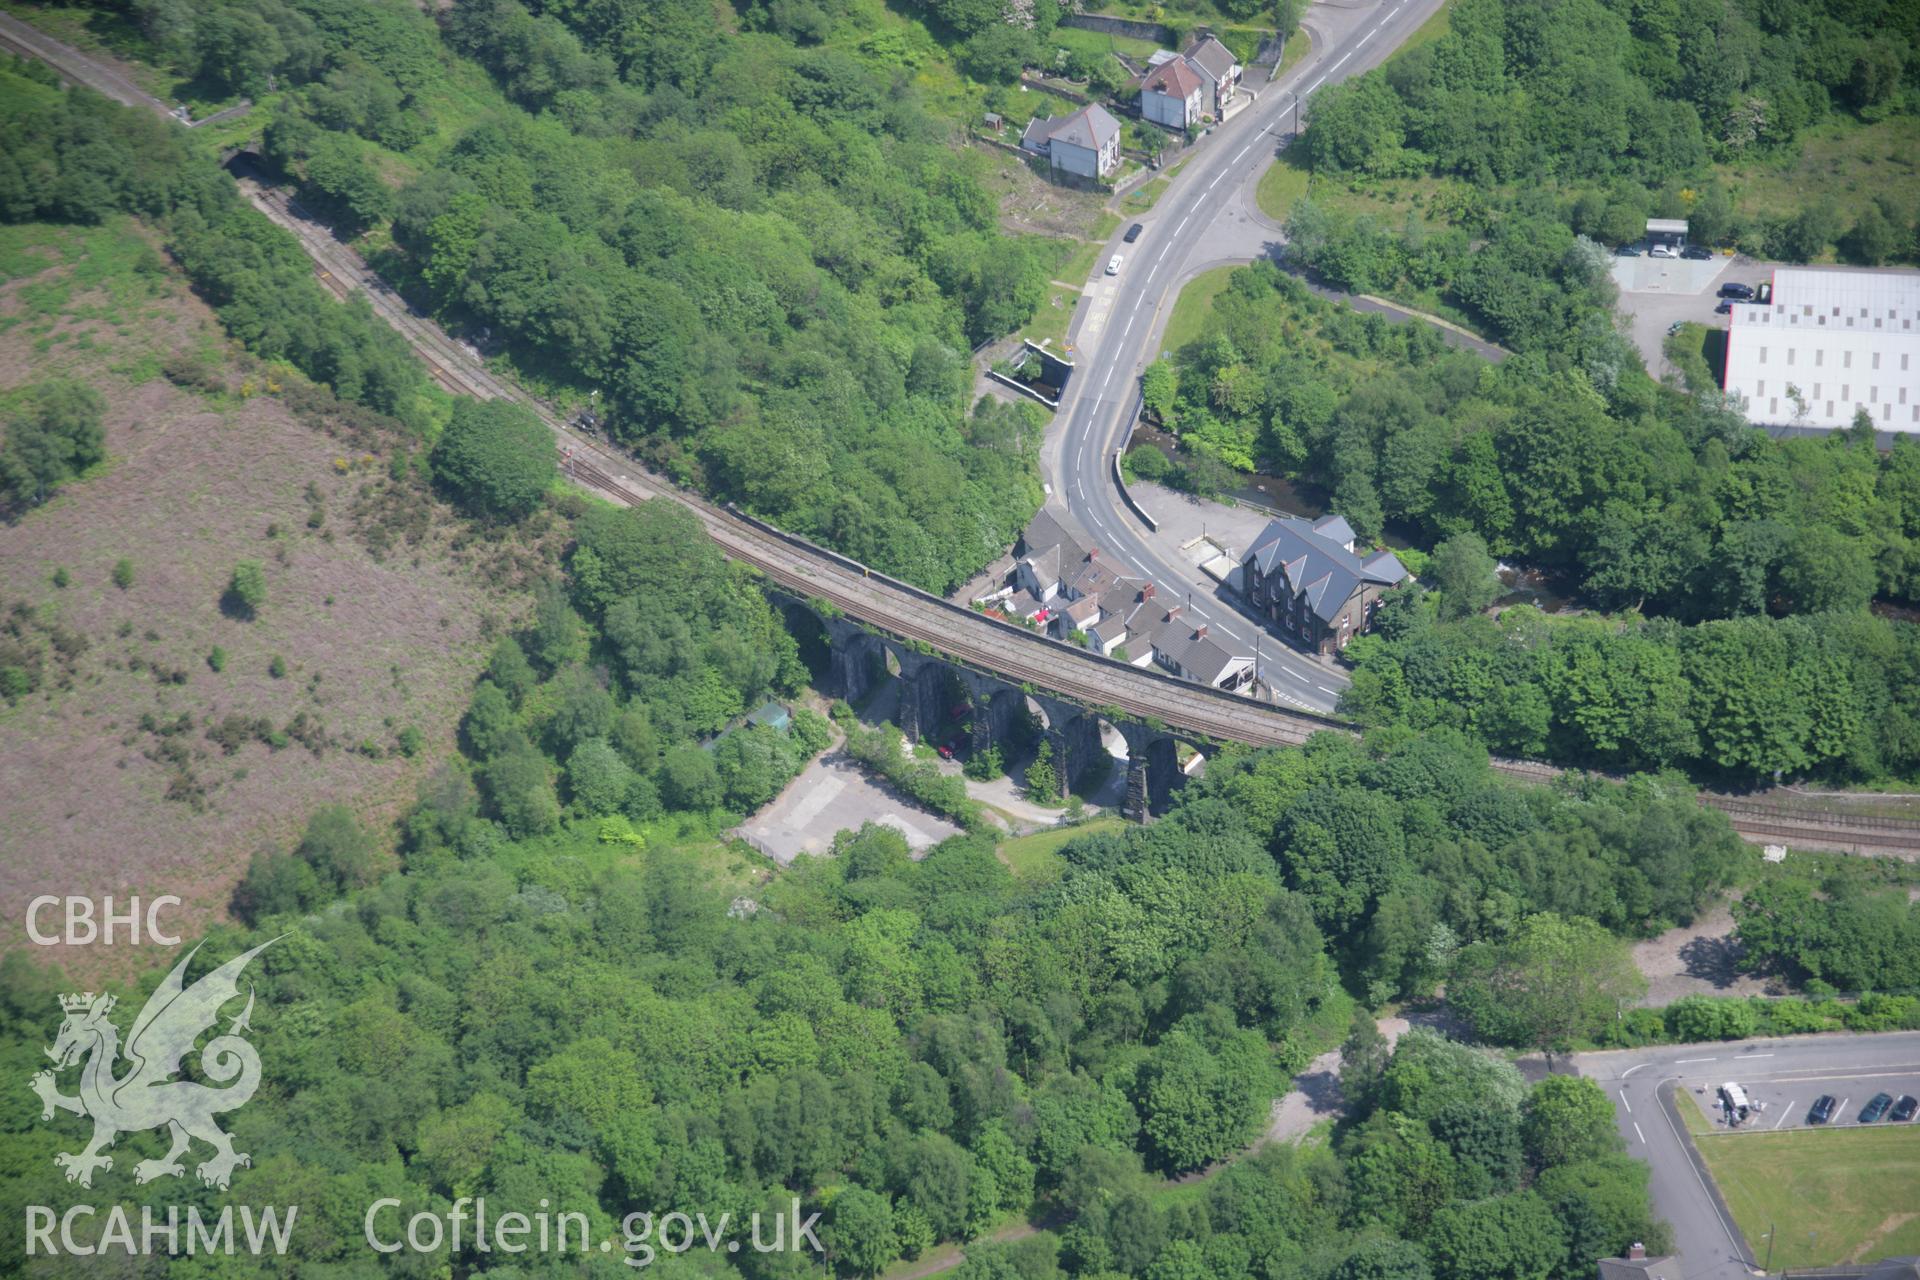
(1083, 702)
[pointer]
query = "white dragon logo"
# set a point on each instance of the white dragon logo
(147, 1096)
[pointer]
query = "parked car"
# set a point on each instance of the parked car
(1766, 292)
(1663, 251)
(1726, 305)
(1133, 233)
(1734, 289)
(1628, 251)
(946, 752)
(1113, 264)
(1675, 327)
(1822, 1109)
(1903, 1110)
(1699, 253)
(1876, 1107)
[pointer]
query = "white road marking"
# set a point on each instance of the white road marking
(1295, 674)
(1636, 1129)
(1751, 1056)
(1681, 1062)
(1241, 152)
(1177, 230)
(1129, 329)
(1630, 1070)
(1674, 1129)
(1625, 1103)
(1841, 1110)
(1784, 1113)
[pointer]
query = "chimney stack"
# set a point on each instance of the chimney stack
(1146, 592)
(1200, 632)
(1638, 1253)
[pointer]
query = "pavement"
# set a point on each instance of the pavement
(1786, 1075)
(833, 794)
(1653, 300)
(1206, 217)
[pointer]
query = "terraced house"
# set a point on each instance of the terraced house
(1308, 579)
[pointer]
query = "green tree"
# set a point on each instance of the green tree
(1363, 1057)
(858, 1234)
(494, 458)
(519, 786)
(689, 780)
(1566, 1119)
(53, 437)
(597, 778)
(1506, 1238)
(246, 589)
(337, 849)
(1159, 383)
(1557, 980)
(1043, 782)
(1463, 572)
(123, 573)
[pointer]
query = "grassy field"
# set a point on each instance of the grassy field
(1053, 318)
(113, 779)
(1841, 159)
(1097, 42)
(1195, 303)
(1834, 1195)
(1281, 185)
(1037, 857)
(1141, 201)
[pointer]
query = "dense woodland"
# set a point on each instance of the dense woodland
(924, 1050)
(757, 258)
(1740, 566)
(1609, 113)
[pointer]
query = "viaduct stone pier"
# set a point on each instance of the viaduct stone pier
(939, 700)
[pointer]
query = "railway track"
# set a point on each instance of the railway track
(889, 606)
(973, 639)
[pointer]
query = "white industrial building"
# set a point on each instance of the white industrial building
(1826, 344)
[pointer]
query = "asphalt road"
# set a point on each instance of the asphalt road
(1206, 217)
(1787, 1074)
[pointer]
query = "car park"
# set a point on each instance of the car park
(1113, 264)
(1133, 233)
(1822, 1109)
(1737, 291)
(1698, 253)
(1903, 1110)
(1876, 1108)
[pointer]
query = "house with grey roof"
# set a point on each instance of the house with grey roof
(1186, 650)
(1221, 70)
(1308, 580)
(1085, 144)
(1638, 1266)
(1173, 92)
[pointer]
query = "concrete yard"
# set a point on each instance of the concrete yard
(832, 795)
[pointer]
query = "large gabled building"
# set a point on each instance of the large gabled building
(1307, 579)
(1085, 144)
(1826, 345)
